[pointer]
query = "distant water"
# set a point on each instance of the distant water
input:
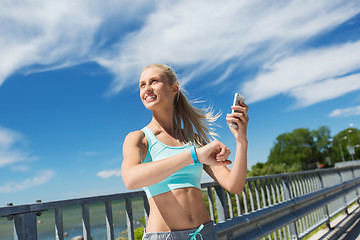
(73, 221)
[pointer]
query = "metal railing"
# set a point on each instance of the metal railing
(290, 206)
(283, 206)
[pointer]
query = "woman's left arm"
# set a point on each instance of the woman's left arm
(234, 180)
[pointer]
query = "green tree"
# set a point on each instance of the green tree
(303, 149)
(297, 148)
(322, 138)
(339, 149)
(262, 169)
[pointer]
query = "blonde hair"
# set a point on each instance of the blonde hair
(187, 116)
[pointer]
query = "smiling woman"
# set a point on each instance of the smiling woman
(166, 158)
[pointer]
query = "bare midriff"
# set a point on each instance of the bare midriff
(178, 209)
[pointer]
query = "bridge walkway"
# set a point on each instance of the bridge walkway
(343, 227)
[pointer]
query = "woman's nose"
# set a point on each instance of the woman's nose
(148, 88)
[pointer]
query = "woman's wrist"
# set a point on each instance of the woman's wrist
(242, 142)
(194, 155)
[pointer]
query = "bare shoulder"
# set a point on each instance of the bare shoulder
(135, 138)
(135, 135)
(135, 146)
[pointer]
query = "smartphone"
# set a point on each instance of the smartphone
(238, 97)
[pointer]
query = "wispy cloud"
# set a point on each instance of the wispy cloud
(309, 76)
(10, 154)
(91, 154)
(346, 112)
(202, 36)
(41, 179)
(20, 168)
(109, 173)
(325, 90)
(8, 138)
(14, 158)
(58, 34)
(43, 32)
(196, 37)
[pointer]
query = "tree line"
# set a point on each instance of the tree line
(305, 149)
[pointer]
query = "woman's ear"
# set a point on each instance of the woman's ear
(175, 89)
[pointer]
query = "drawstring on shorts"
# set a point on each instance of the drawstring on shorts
(197, 232)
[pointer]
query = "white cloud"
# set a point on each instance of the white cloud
(41, 179)
(204, 35)
(13, 157)
(308, 74)
(20, 168)
(225, 75)
(44, 32)
(195, 36)
(9, 152)
(91, 154)
(346, 112)
(60, 33)
(325, 90)
(8, 138)
(109, 173)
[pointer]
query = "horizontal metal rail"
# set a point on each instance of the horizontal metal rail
(281, 206)
(264, 221)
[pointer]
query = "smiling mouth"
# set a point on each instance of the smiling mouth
(150, 98)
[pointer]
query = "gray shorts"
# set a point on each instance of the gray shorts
(206, 231)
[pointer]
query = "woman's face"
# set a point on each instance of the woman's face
(155, 90)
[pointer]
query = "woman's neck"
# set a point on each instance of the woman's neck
(163, 121)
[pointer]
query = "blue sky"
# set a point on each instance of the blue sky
(69, 73)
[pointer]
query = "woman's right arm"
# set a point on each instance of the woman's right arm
(136, 174)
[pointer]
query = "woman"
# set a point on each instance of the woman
(166, 158)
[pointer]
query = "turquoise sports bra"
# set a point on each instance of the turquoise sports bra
(188, 176)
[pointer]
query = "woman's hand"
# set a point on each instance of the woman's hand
(241, 118)
(214, 154)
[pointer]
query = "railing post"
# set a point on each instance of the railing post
(231, 209)
(129, 219)
(25, 226)
(59, 227)
(251, 197)
(326, 207)
(211, 204)
(357, 190)
(262, 191)
(277, 186)
(246, 208)
(285, 182)
(86, 222)
(221, 205)
(146, 208)
(271, 183)
(238, 204)
(303, 190)
(345, 202)
(109, 221)
(256, 189)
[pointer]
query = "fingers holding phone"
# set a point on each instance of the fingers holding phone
(238, 119)
(238, 99)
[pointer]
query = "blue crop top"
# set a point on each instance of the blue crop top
(188, 176)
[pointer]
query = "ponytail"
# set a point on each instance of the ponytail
(188, 117)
